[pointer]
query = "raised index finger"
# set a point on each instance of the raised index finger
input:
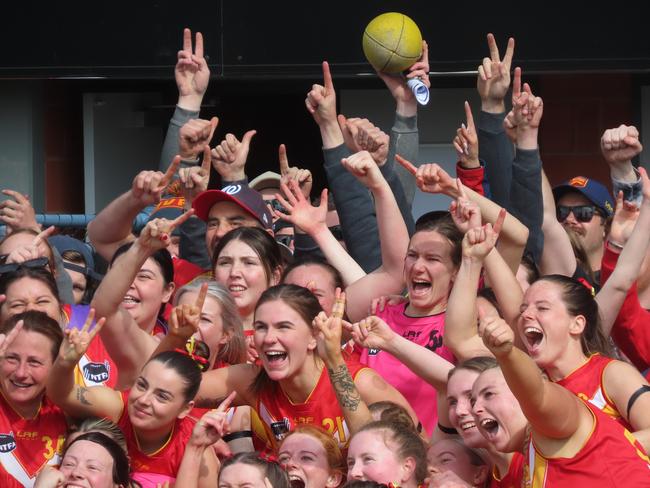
(203, 292)
(510, 50)
(38, 240)
(469, 116)
(499, 222)
(327, 78)
(171, 171)
(516, 84)
(180, 219)
(187, 40)
(494, 50)
(207, 159)
(284, 161)
(406, 164)
(19, 197)
(225, 405)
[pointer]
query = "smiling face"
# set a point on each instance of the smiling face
(24, 369)
(146, 295)
(428, 272)
(371, 458)
(224, 217)
(305, 459)
(240, 269)
(459, 394)
(26, 294)
(283, 339)
(87, 465)
(157, 398)
(497, 412)
(546, 328)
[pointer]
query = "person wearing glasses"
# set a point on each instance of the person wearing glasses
(583, 207)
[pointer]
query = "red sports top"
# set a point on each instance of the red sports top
(26, 445)
(587, 383)
(279, 415)
(610, 458)
(163, 464)
(95, 367)
(513, 477)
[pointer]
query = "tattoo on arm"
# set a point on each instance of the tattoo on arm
(81, 396)
(344, 387)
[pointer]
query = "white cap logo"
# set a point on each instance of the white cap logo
(231, 189)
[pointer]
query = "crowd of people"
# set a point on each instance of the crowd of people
(260, 336)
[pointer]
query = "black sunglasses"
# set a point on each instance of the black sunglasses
(285, 239)
(582, 213)
(276, 205)
(32, 263)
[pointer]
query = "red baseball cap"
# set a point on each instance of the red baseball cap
(247, 199)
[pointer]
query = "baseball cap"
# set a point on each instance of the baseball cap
(268, 179)
(246, 198)
(168, 208)
(66, 243)
(592, 190)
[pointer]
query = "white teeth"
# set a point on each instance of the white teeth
(236, 288)
(467, 425)
(275, 353)
(130, 299)
(21, 385)
(533, 330)
(485, 422)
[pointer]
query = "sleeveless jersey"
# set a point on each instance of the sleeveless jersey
(279, 415)
(162, 465)
(513, 477)
(96, 367)
(426, 332)
(587, 383)
(26, 445)
(611, 457)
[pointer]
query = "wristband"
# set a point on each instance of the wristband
(240, 434)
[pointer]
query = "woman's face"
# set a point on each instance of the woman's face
(284, 341)
(449, 455)
(146, 295)
(87, 465)
(545, 326)
(27, 294)
(156, 399)
(24, 369)
(459, 395)
(497, 412)
(318, 280)
(240, 269)
(241, 475)
(211, 329)
(306, 459)
(371, 458)
(428, 270)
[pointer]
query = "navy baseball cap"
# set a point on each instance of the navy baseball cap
(247, 199)
(592, 190)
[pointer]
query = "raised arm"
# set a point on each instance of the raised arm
(78, 401)
(431, 178)
(635, 247)
(553, 411)
(354, 409)
(112, 226)
(128, 344)
(393, 238)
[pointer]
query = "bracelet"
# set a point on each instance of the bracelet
(447, 430)
(615, 245)
(240, 434)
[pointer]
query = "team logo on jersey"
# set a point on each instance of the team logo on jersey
(97, 372)
(373, 352)
(7, 442)
(281, 428)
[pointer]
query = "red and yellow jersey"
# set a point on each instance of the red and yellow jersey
(512, 479)
(587, 383)
(611, 457)
(26, 445)
(279, 415)
(163, 464)
(95, 368)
